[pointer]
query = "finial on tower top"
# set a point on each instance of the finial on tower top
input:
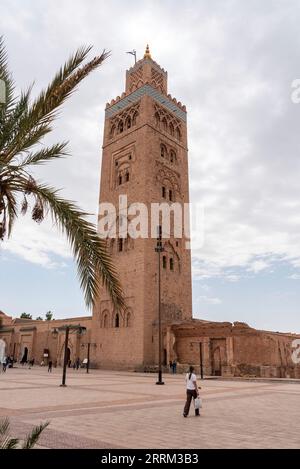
(147, 54)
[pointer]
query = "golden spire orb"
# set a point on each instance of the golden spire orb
(147, 54)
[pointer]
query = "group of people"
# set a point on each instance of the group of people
(76, 364)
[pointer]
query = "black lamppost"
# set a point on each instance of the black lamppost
(88, 353)
(68, 330)
(201, 357)
(159, 248)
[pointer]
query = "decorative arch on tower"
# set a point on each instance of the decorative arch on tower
(167, 122)
(165, 174)
(124, 121)
(105, 319)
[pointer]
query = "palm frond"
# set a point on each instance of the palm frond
(46, 154)
(4, 426)
(6, 76)
(33, 437)
(36, 122)
(9, 443)
(93, 260)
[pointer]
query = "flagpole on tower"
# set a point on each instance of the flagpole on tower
(132, 52)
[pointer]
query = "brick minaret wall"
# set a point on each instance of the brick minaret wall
(145, 158)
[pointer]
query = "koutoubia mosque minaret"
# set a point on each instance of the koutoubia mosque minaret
(145, 157)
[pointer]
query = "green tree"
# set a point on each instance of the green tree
(26, 316)
(39, 318)
(6, 442)
(49, 316)
(23, 124)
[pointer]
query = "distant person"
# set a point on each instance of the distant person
(31, 363)
(69, 364)
(50, 366)
(174, 366)
(191, 391)
(171, 365)
(4, 364)
(77, 364)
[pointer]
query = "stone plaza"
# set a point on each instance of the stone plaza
(115, 409)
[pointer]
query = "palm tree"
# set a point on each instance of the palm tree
(23, 124)
(6, 442)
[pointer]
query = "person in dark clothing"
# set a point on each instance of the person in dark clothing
(50, 366)
(77, 364)
(174, 366)
(191, 392)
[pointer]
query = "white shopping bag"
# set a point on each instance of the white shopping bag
(198, 403)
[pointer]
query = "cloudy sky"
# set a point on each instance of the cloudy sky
(232, 63)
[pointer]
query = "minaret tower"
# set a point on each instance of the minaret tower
(145, 158)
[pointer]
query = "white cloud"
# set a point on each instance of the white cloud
(209, 300)
(294, 276)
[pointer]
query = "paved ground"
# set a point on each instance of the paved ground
(127, 410)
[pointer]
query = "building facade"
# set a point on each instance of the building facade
(145, 160)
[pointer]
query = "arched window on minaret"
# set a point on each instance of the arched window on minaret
(165, 124)
(163, 151)
(178, 134)
(120, 127)
(157, 120)
(128, 319)
(172, 156)
(117, 320)
(128, 122)
(171, 128)
(134, 117)
(105, 319)
(112, 131)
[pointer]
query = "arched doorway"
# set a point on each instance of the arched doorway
(217, 364)
(2, 349)
(61, 355)
(25, 355)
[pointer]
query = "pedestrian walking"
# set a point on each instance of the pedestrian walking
(191, 391)
(174, 366)
(4, 364)
(50, 366)
(77, 364)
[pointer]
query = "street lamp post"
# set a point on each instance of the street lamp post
(88, 353)
(63, 383)
(159, 248)
(68, 329)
